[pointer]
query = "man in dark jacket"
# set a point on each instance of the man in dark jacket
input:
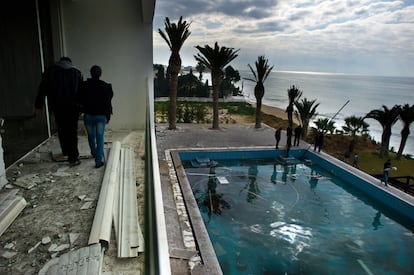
(95, 98)
(60, 84)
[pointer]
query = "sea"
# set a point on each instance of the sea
(340, 96)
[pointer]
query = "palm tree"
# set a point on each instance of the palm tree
(354, 125)
(306, 110)
(200, 69)
(325, 125)
(215, 59)
(387, 119)
(260, 75)
(294, 94)
(175, 36)
(407, 117)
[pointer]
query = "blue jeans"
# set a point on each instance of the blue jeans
(95, 126)
(385, 177)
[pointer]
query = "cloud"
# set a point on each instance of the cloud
(356, 36)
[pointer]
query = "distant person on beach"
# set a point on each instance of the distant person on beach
(387, 167)
(318, 141)
(60, 84)
(288, 140)
(356, 160)
(298, 133)
(346, 156)
(95, 98)
(277, 136)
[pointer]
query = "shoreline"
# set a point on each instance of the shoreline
(275, 111)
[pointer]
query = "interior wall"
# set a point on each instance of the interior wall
(111, 34)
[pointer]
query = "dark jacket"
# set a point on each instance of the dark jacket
(60, 83)
(95, 97)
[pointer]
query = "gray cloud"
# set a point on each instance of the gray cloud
(355, 33)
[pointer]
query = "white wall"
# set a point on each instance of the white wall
(111, 34)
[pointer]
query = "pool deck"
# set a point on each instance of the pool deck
(200, 136)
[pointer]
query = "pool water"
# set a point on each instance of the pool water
(268, 218)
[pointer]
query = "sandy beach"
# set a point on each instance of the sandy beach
(275, 111)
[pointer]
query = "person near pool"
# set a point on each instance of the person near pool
(96, 101)
(277, 136)
(387, 167)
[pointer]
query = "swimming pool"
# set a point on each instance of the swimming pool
(295, 217)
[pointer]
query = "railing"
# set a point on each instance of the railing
(157, 259)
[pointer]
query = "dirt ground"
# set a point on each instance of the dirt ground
(60, 207)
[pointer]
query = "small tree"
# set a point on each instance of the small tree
(215, 59)
(355, 125)
(175, 35)
(293, 94)
(407, 117)
(260, 75)
(306, 110)
(387, 118)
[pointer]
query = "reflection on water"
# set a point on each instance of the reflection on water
(376, 222)
(311, 224)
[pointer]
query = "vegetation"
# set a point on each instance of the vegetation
(306, 110)
(293, 94)
(336, 145)
(260, 75)
(215, 59)
(387, 118)
(407, 117)
(175, 36)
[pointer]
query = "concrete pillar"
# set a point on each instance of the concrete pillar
(3, 180)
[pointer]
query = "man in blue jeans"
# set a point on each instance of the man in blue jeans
(387, 167)
(95, 98)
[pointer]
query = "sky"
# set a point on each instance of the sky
(337, 36)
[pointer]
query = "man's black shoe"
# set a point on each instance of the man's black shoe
(74, 163)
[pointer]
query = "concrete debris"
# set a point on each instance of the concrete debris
(73, 237)
(61, 174)
(57, 248)
(46, 240)
(33, 248)
(86, 205)
(10, 245)
(81, 197)
(28, 181)
(8, 254)
(52, 247)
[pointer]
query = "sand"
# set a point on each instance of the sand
(275, 111)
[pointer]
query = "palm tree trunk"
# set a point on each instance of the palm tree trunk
(174, 66)
(405, 132)
(385, 142)
(172, 107)
(259, 93)
(216, 78)
(290, 114)
(258, 113)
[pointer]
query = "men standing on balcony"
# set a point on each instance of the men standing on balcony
(60, 83)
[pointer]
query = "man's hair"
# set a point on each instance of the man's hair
(96, 71)
(65, 58)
